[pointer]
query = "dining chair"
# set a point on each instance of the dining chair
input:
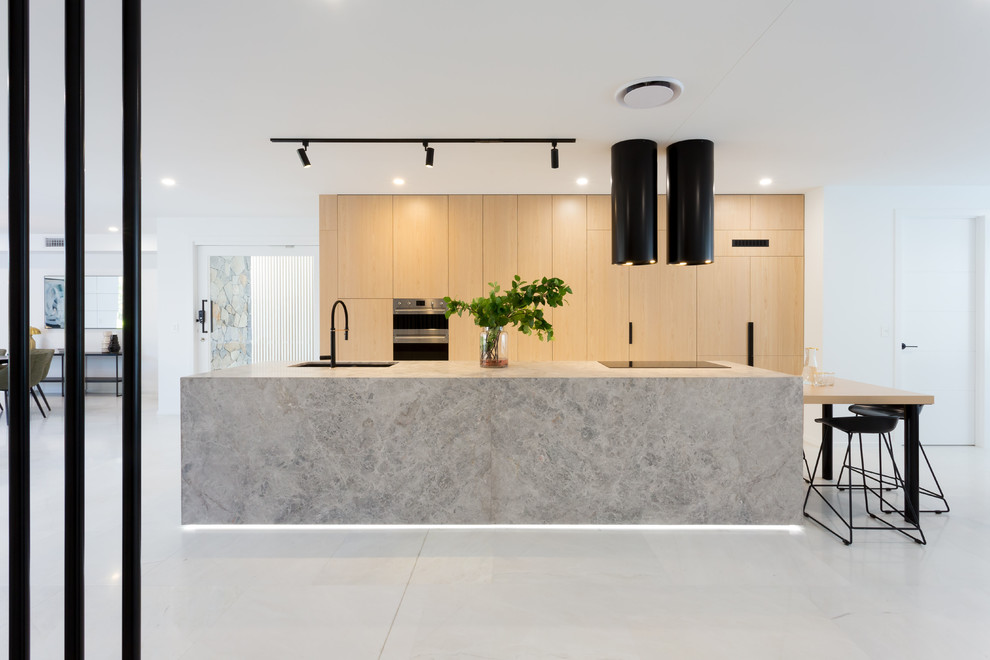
(40, 363)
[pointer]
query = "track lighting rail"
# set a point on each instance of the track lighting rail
(303, 140)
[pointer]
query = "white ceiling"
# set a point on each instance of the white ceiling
(809, 92)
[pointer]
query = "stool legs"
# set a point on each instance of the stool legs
(879, 483)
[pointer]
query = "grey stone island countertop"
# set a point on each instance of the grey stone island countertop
(453, 443)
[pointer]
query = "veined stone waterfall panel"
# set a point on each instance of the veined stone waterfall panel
(230, 291)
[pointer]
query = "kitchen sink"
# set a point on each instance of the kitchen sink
(326, 363)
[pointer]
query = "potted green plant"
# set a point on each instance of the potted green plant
(520, 306)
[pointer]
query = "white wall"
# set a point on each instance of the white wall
(97, 263)
(178, 240)
(858, 282)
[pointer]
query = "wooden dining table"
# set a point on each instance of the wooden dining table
(850, 392)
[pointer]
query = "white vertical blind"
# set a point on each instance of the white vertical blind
(283, 308)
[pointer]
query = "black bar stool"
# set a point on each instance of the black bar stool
(881, 426)
(898, 412)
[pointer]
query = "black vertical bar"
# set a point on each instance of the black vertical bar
(630, 332)
(131, 579)
(826, 443)
(72, 361)
(911, 458)
(749, 343)
(18, 410)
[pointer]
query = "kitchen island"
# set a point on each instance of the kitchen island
(452, 443)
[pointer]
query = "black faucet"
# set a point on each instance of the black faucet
(333, 332)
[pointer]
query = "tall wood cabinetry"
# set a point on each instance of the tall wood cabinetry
(637, 312)
(375, 248)
(758, 278)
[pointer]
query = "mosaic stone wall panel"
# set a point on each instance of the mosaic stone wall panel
(230, 291)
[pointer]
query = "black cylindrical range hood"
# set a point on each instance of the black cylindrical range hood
(690, 202)
(634, 202)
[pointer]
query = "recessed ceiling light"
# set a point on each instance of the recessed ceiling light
(766, 181)
(398, 181)
(168, 182)
(582, 181)
(649, 92)
(113, 229)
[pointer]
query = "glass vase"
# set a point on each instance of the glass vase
(810, 366)
(494, 347)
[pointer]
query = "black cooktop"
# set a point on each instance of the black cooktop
(657, 364)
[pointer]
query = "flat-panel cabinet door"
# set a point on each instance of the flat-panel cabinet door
(419, 252)
(465, 266)
(777, 305)
(723, 307)
(608, 301)
(663, 312)
(370, 335)
(364, 246)
(535, 260)
(570, 263)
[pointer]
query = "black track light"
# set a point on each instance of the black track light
(302, 154)
(554, 157)
(429, 154)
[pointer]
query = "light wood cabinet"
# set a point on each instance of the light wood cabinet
(501, 249)
(466, 280)
(374, 248)
(535, 261)
(776, 307)
(364, 246)
(732, 212)
(370, 336)
(608, 301)
(724, 307)
(570, 263)
(420, 248)
(781, 212)
(674, 321)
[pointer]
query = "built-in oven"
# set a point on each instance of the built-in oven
(419, 329)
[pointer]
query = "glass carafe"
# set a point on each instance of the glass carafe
(810, 366)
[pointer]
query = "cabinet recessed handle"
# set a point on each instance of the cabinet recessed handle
(630, 332)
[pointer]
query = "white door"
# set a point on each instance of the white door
(938, 343)
(260, 304)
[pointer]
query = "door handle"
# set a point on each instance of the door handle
(201, 317)
(903, 346)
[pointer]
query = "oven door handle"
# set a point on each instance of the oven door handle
(420, 339)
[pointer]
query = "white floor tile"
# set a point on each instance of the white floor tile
(503, 593)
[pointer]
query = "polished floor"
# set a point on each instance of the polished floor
(500, 593)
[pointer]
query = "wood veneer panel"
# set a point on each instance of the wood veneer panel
(732, 212)
(676, 320)
(608, 297)
(419, 254)
(570, 263)
(777, 308)
(328, 213)
(364, 246)
(723, 306)
(500, 236)
(370, 336)
(535, 259)
(600, 213)
(464, 338)
(466, 279)
(328, 285)
(777, 212)
(782, 243)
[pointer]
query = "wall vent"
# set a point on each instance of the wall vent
(750, 242)
(54, 241)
